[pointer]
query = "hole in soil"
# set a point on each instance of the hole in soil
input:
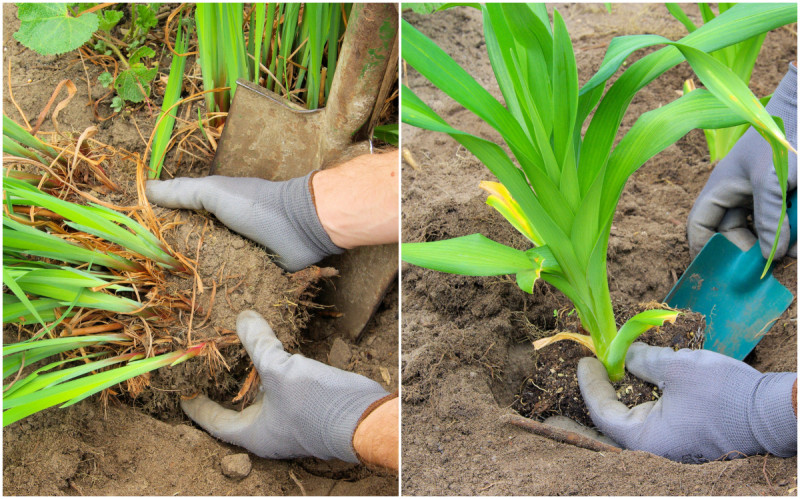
(544, 383)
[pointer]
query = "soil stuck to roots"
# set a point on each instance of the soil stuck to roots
(467, 340)
(552, 388)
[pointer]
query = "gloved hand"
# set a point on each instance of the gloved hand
(745, 180)
(279, 215)
(305, 408)
(712, 406)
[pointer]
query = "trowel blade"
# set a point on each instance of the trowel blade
(739, 312)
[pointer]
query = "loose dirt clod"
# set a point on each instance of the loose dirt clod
(340, 354)
(236, 466)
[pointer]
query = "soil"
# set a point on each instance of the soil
(552, 388)
(467, 340)
(146, 445)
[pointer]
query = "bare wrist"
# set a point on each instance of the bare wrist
(358, 202)
(376, 438)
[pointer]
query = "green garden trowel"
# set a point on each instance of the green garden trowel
(724, 284)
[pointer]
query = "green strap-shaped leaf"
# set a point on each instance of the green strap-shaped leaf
(533, 39)
(416, 113)
(13, 130)
(530, 25)
(12, 363)
(656, 130)
(477, 255)
(733, 92)
(619, 49)
(681, 16)
(627, 334)
(89, 299)
(507, 81)
(334, 33)
(438, 67)
(548, 212)
(389, 133)
(474, 255)
(85, 218)
(565, 80)
(15, 149)
(316, 41)
(20, 239)
(18, 311)
(234, 58)
(19, 396)
(20, 383)
(78, 389)
(705, 12)
(11, 283)
(736, 97)
(739, 23)
(510, 68)
(256, 36)
(207, 35)
(70, 341)
(166, 118)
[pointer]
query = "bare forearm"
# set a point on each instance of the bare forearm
(376, 439)
(357, 202)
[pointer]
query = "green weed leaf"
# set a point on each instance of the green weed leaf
(137, 55)
(117, 103)
(105, 79)
(108, 19)
(147, 17)
(48, 29)
(133, 84)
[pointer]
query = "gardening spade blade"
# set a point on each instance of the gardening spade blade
(266, 137)
(724, 284)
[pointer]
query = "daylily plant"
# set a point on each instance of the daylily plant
(563, 191)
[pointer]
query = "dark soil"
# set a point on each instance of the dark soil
(552, 388)
(146, 445)
(467, 340)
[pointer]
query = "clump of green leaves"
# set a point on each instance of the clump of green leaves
(563, 194)
(84, 367)
(293, 47)
(86, 262)
(132, 84)
(19, 142)
(56, 28)
(143, 19)
(739, 58)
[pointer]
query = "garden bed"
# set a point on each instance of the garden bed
(146, 445)
(467, 340)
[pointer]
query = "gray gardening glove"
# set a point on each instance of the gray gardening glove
(712, 406)
(304, 408)
(745, 181)
(279, 215)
